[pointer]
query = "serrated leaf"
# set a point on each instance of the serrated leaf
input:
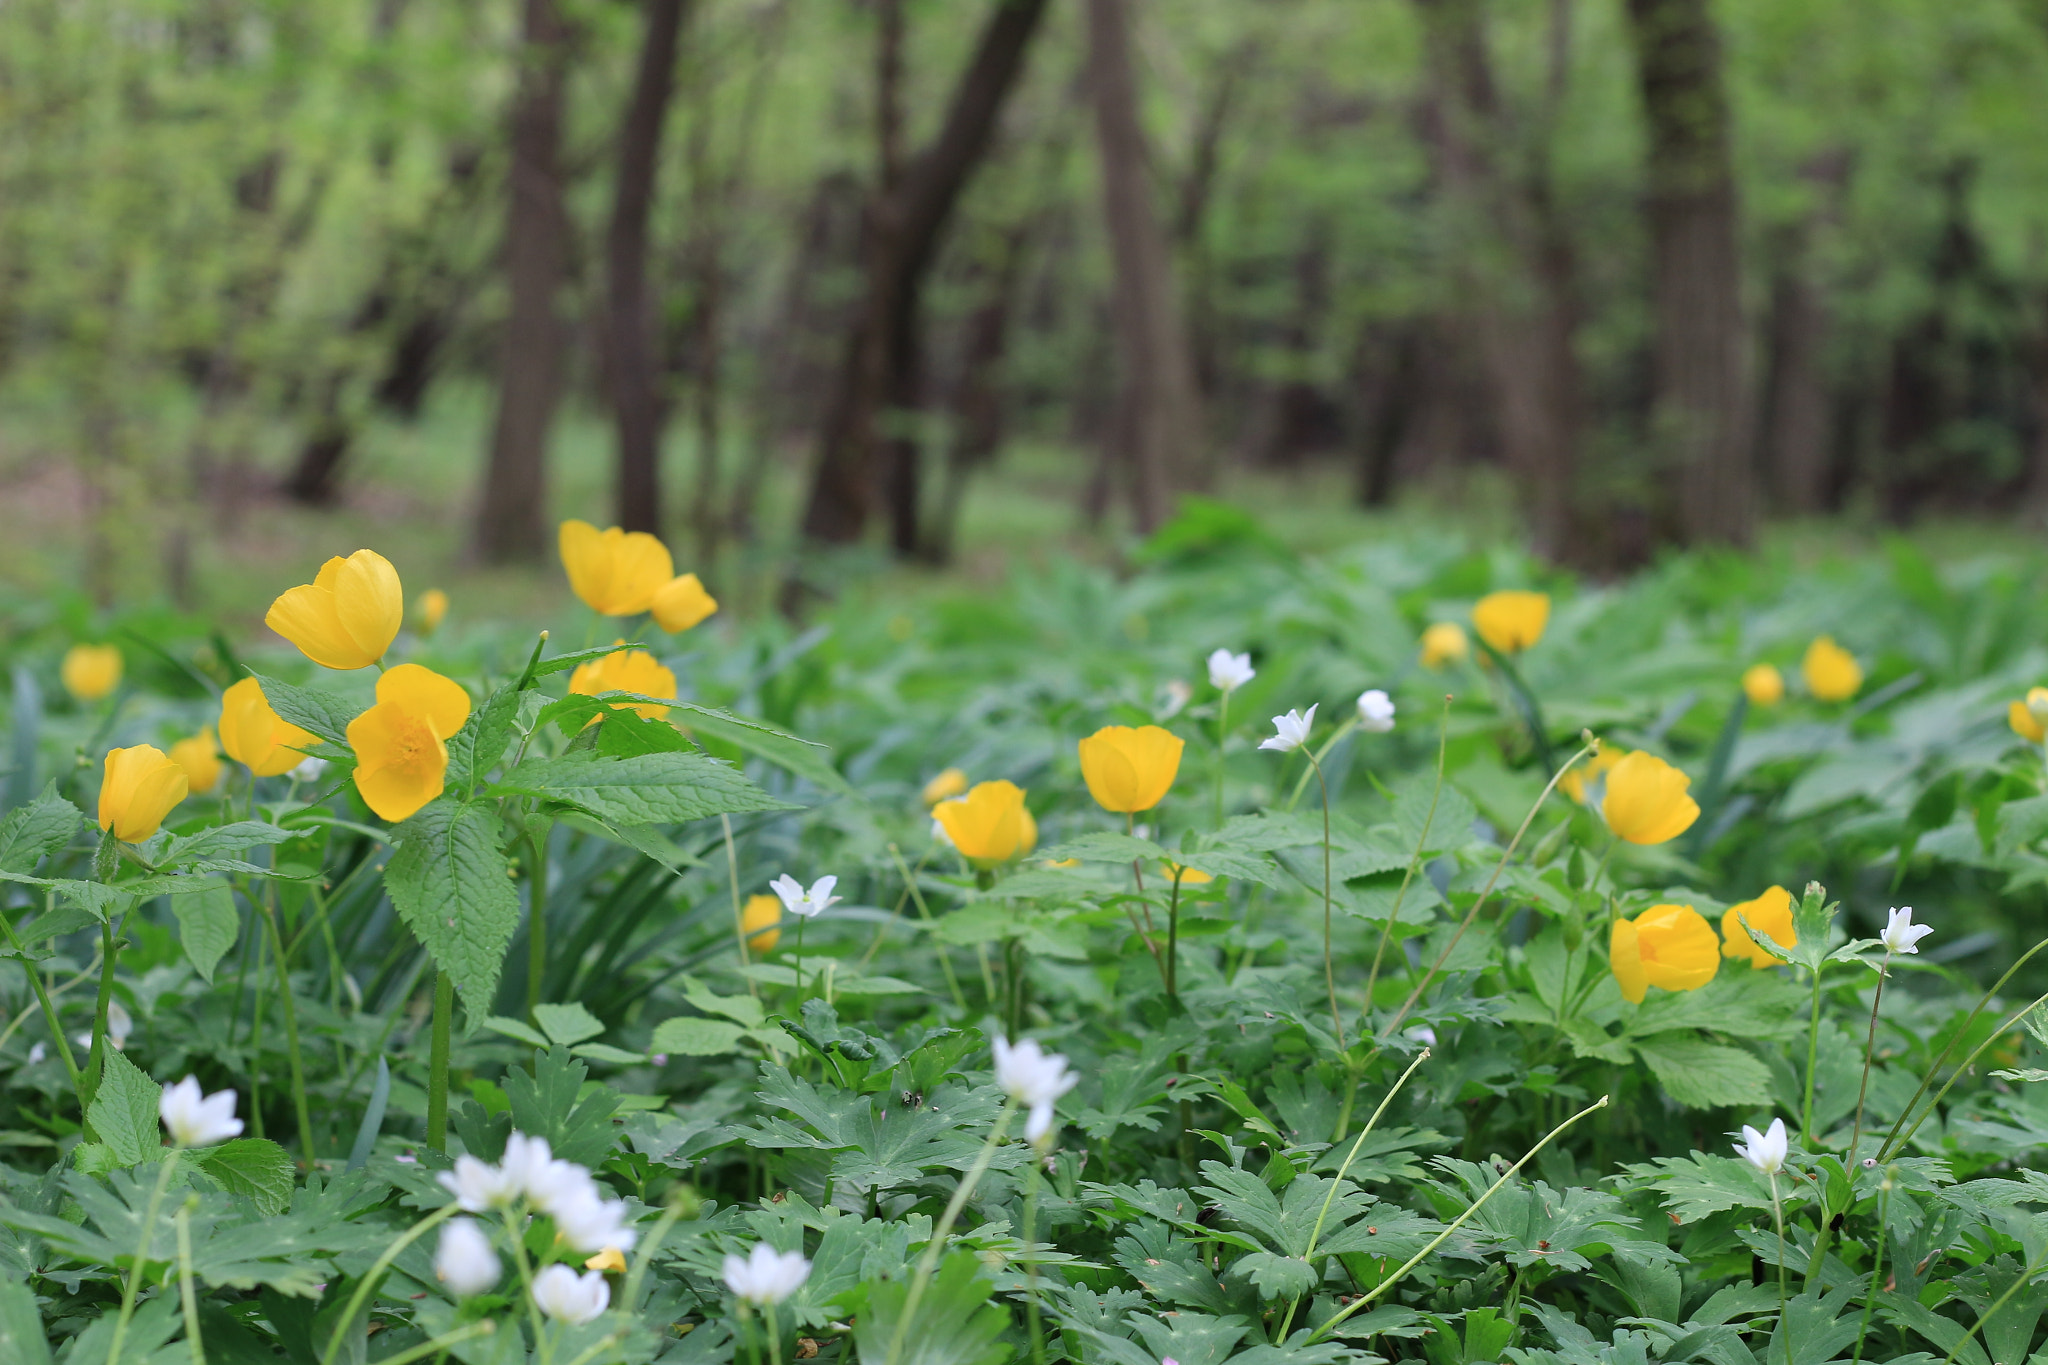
(550, 1103)
(208, 924)
(513, 1028)
(1448, 826)
(562, 663)
(254, 1167)
(626, 733)
(649, 789)
(1103, 846)
(449, 883)
(222, 840)
(123, 1116)
(476, 748)
(22, 1338)
(33, 832)
(1219, 862)
(567, 1024)
(1694, 1186)
(1704, 1075)
(954, 1323)
(687, 1036)
(323, 713)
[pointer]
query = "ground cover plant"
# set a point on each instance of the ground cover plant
(1397, 955)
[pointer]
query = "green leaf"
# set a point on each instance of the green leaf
(645, 790)
(22, 1339)
(955, 1324)
(224, 839)
(1248, 867)
(1703, 1075)
(547, 1104)
(562, 663)
(449, 883)
(1449, 825)
(255, 1167)
(476, 748)
(744, 1009)
(626, 734)
(33, 832)
(1102, 846)
(1813, 925)
(1694, 1186)
(567, 1024)
(124, 1110)
(687, 1036)
(207, 923)
(325, 714)
(513, 1028)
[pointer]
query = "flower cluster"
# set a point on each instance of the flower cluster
(562, 1190)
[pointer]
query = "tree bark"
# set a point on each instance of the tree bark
(637, 405)
(880, 356)
(512, 514)
(1164, 422)
(1700, 404)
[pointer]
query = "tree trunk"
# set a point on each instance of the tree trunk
(629, 320)
(512, 516)
(881, 342)
(1164, 427)
(1700, 406)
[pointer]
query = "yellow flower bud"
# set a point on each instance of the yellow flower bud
(990, 824)
(432, 609)
(626, 670)
(91, 671)
(950, 783)
(1764, 685)
(1832, 673)
(2024, 724)
(1770, 915)
(200, 760)
(1671, 947)
(1130, 769)
(401, 742)
(1444, 643)
(255, 736)
(615, 572)
(1646, 801)
(1511, 621)
(762, 914)
(137, 790)
(347, 616)
(681, 603)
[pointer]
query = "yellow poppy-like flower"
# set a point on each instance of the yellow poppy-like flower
(201, 761)
(1646, 801)
(1444, 643)
(1763, 684)
(1511, 621)
(2029, 718)
(990, 824)
(1770, 915)
(137, 790)
(1130, 769)
(948, 784)
(681, 603)
(1671, 947)
(347, 616)
(1832, 673)
(432, 609)
(759, 919)
(617, 573)
(401, 742)
(626, 670)
(255, 736)
(611, 1261)
(91, 671)
(1581, 782)
(1189, 876)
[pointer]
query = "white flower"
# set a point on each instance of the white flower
(1033, 1078)
(1423, 1034)
(1375, 712)
(1901, 935)
(479, 1186)
(589, 1222)
(566, 1296)
(1765, 1150)
(766, 1276)
(801, 902)
(37, 1053)
(464, 1260)
(196, 1120)
(1228, 671)
(1292, 731)
(309, 770)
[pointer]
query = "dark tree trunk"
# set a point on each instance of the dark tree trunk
(1700, 404)
(637, 405)
(1164, 423)
(512, 515)
(882, 341)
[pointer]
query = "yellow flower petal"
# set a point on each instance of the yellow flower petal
(1625, 958)
(951, 782)
(441, 701)
(1646, 801)
(255, 736)
(347, 616)
(432, 609)
(1832, 673)
(615, 572)
(200, 759)
(762, 914)
(1770, 915)
(1444, 643)
(1511, 621)
(1671, 947)
(401, 763)
(138, 787)
(91, 671)
(681, 603)
(1129, 769)
(626, 670)
(1763, 684)
(988, 825)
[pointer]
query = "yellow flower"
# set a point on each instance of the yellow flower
(990, 824)
(432, 609)
(1581, 780)
(616, 572)
(626, 670)
(1668, 946)
(347, 616)
(91, 671)
(763, 913)
(2029, 718)
(1189, 876)
(946, 785)
(681, 603)
(1646, 801)
(401, 742)
(200, 760)
(611, 1260)
(1832, 673)
(1511, 621)
(138, 788)
(255, 736)
(1763, 684)
(1130, 769)
(1770, 915)
(1444, 643)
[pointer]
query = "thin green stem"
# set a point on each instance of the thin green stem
(924, 913)
(739, 914)
(1968, 1062)
(1812, 1058)
(1869, 1050)
(437, 1062)
(1884, 1199)
(1035, 1328)
(801, 921)
(368, 1283)
(753, 1342)
(300, 1108)
(774, 1332)
(541, 1343)
(456, 1337)
(1222, 735)
(1443, 734)
(1954, 1038)
(1329, 961)
(96, 1055)
(536, 920)
(167, 1163)
(1172, 942)
(49, 1008)
(1778, 1213)
(1336, 735)
(882, 931)
(929, 1261)
(188, 1298)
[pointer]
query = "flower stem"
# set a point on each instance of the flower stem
(2025, 1277)
(368, 1283)
(1443, 734)
(1961, 1071)
(1329, 963)
(35, 980)
(187, 1297)
(1884, 1199)
(1954, 1038)
(1172, 946)
(1778, 1213)
(1031, 1266)
(929, 1261)
(1812, 1059)
(541, 1344)
(801, 921)
(536, 920)
(291, 1030)
(1869, 1049)
(95, 1057)
(924, 913)
(167, 1163)
(1222, 734)
(739, 916)
(437, 1063)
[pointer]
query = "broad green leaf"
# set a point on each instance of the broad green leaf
(22, 1338)
(514, 1028)
(33, 832)
(562, 663)
(323, 713)
(207, 923)
(550, 1103)
(1103, 846)
(124, 1110)
(566, 1024)
(645, 790)
(692, 1037)
(1449, 824)
(1704, 1075)
(954, 1324)
(255, 1167)
(449, 883)
(224, 839)
(744, 1009)
(476, 748)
